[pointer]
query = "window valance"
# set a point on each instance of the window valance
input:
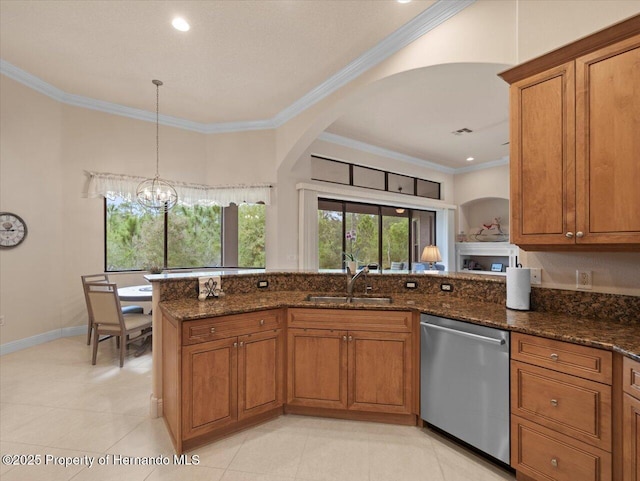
(124, 186)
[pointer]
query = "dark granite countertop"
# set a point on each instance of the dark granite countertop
(601, 333)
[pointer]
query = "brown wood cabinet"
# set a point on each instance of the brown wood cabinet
(574, 148)
(631, 420)
(317, 368)
(561, 410)
(351, 369)
(221, 374)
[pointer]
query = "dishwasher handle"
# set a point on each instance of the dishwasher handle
(464, 333)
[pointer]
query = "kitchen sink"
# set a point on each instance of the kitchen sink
(349, 300)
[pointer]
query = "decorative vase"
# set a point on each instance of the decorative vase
(352, 265)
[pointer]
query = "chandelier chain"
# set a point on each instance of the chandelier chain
(158, 129)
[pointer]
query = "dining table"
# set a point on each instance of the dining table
(142, 293)
(136, 293)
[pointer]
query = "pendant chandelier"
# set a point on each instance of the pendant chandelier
(157, 195)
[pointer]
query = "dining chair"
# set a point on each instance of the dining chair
(108, 318)
(103, 279)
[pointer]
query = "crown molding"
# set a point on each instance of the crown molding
(484, 165)
(426, 21)
(375, 150)
(391, 154)
(433, 16)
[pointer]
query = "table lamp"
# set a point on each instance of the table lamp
(431, 254)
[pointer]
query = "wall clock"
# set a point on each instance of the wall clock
(13, 230)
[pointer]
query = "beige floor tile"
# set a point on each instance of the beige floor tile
(14, 416)
(100, 432)
(230, 475)
(149, 438)
(219, 454)
(114, 473)
(46, 429)
(335, 458)
(396, 459)
(184, 473)
(268, 452)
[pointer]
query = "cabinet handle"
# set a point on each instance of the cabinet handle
(213, 330)
(350, 338)
(344, 338)
(554, 402)
(262, 322)
(569, 235)
(235, 344)
(241, 343)
(554, 462)
(579, 234)
(554, 357)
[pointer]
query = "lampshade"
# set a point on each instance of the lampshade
(431, 254)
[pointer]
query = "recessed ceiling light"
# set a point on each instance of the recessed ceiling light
(469, 159)
(181, 24)
(403, 1)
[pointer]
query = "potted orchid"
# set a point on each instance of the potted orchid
(351, 257)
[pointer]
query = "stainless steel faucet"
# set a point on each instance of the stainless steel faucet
(351, 279)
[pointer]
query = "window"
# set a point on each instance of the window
(390, 237)
(337, 172)
(186, 237)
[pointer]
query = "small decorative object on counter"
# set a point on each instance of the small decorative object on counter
(209, 287)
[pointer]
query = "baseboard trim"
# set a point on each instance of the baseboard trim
(27, 342)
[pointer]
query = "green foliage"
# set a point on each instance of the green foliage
(251, 235)
(395, 240)
(330, 239)
(364, 247)
(194, 236)
(135, 238)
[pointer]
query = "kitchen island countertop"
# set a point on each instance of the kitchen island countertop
(615, 336)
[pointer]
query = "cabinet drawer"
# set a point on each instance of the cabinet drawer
(210, 329)
(544, 454)
(567, 404)
(631, 377)
(583, 361)
(351, 319)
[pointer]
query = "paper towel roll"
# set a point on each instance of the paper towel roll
(518, 288)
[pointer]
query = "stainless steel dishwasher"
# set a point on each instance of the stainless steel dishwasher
(464, 382)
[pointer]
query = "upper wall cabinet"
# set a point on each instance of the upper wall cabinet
(575, 145)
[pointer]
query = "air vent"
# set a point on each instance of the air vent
(461, 131)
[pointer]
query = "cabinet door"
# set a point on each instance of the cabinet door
(317, 368)
(209, 390)
(260, 365)
(607, 145)
(631, 438)
(380, 372)
(543, 158)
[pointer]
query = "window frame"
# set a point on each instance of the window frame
(223, 241)
(380, 208)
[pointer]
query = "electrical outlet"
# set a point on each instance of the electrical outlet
(583, 280)
(446, 287)
(536, 276)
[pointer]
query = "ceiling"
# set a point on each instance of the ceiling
(249, 60)
(415, 113)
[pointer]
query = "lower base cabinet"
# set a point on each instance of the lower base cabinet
(221, 374)
(561, 410)
(631, 420)
(353, 361)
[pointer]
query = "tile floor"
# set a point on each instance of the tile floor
(53, 402)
